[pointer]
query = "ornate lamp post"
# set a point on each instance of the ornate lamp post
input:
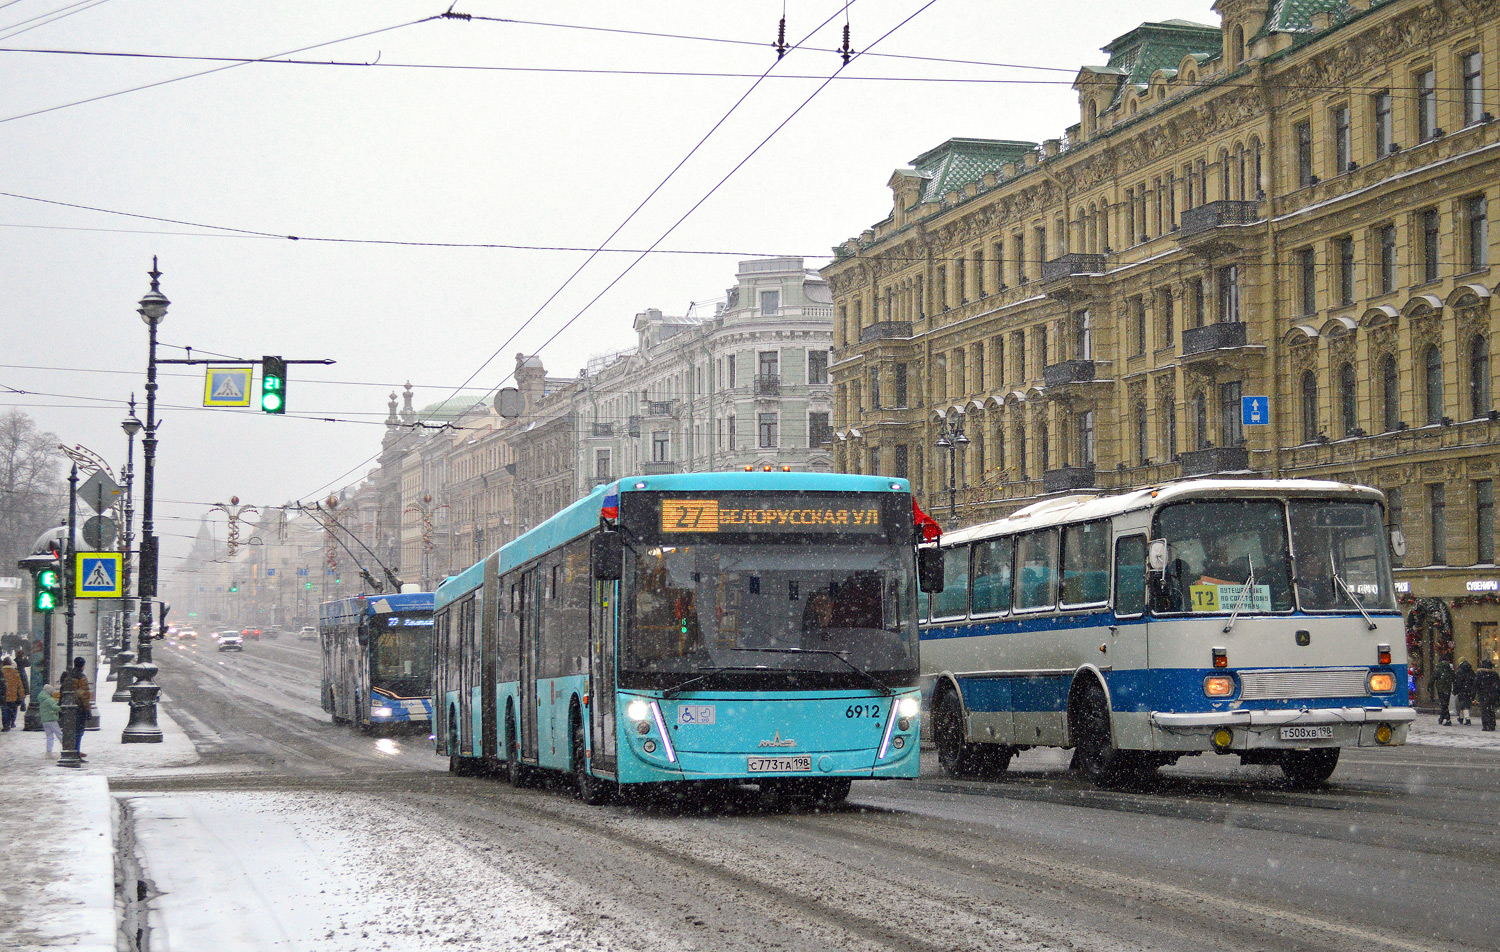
(950, 438)
(143, 728)
(121, 667)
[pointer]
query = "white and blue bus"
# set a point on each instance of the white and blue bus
(1248, 617)
(746, 628)
(377, 659)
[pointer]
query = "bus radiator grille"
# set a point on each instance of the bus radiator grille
(1302, 682)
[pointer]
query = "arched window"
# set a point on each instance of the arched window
(1479, 377)
(1021, 451)
(1348, 405)
(1434, 376)
(1309, 406)
(1390, 393)
(1224, 174)
(1236, 47)
(1091, 114)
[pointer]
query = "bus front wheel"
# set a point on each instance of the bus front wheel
(590, 789)
(1094, 751)
(1309, 768)
(957, 756)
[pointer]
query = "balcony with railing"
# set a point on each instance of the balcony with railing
(1211, 338)
(1206, 218)
(768, 385)
(885, 330)
(659, 467)
(1071, 264)
(1215, 459)
(1068, 478)
(603, 429)
(660, 408)
(1068, 372)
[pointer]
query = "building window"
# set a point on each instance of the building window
(1166, 318)
(1484, 521)
(1169, 433)
(1135, 329)
(900, 468)
(875, 388)
(1472, 65)
(999, 266)
(1303, 133)
(1393, 513)
(1434, 377)
(1196, 300)
(1429, 245)
(601, 465)
(770, 302)
(1387, 258)
(1479, 377)
(1040, 335)
(729, 371)
(1228, 278)
(874, 468)
(1018, 242)
(1142, 437)
(661, 446)
(1309, 406)
(1040, 232)
(900, 388)
(1390, 393)
(976, 368)
(978, 274)
(1083, 336)
(1342, 140)
(1348, 405)
(770, 361)
(1476, 217)
(767, 430)
(1021, 451)
(1086, 438)
(1344, 248)
(1307, 266)
(1437, 506)
(730, 426)
(1381, 106)
(959, 290)
(1044, 447)
(1426, 105)
(1231, 432)
(1200, 420)
(819, 431)
(817, 366)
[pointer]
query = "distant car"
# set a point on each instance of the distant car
(252, 634)
(187, 633)
(308, 633)
(272, 633)
(231, 641)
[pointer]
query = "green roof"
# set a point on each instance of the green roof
(1295, 16)
(1153, 46)
(957, 162)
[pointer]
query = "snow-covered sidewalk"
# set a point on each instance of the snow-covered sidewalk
(57, 863)
(1426, 731)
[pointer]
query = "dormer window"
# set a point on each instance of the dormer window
(1236, 46)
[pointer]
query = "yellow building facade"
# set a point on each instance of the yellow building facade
(1290, 206)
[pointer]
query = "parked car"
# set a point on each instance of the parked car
(231, 641)
(308, 633)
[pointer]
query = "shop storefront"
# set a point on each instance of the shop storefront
(1453, 614)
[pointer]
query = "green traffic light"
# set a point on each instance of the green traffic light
(45, 601)
(47, 578)
(273, 385)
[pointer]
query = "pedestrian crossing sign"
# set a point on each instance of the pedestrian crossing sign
(227, 387)
(98, 575)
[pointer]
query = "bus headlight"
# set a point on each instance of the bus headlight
(1382, 682)
(382, 712)
(1218, 685)
(908, 707)
(638, 710)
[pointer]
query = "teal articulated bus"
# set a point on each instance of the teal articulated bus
(713, 628)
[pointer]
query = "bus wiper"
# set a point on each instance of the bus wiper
(1339, 581)
(881, 685)
(1240, 602)
(695, 679)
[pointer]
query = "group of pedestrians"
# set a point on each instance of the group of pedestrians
(1459, 688)
(48, 700)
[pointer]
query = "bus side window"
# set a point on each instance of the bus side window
(992, 575)
(1130, 575)
(1085, 564)
(953, 600)
(1036, 570)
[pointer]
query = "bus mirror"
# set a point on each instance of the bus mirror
(930, 569)
(1398, 543)
(1156, 555)
(607, 555)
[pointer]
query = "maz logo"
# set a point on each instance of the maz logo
(776, 741)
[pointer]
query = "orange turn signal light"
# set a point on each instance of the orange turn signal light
(1383, 654)
(1221, 658)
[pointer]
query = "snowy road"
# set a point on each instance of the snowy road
(307, 836)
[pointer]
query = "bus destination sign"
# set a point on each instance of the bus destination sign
(728, 515)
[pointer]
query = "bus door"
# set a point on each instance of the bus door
(1129, 651)
(602, 675)
(489, 655)
(529, 610)
(468, 673)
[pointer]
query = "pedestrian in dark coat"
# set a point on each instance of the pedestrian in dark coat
(1463, 690)
(1442, 685)
(1487, 692)
(14, 692)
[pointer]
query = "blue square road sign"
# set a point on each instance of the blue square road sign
(1255, 411)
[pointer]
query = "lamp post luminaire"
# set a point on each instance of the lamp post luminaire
(950, 438)
(143, 728)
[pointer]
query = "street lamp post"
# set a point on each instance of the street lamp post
(143, 728)
(123, 658)
(950, 438)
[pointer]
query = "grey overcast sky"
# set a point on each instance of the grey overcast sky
(535, 150)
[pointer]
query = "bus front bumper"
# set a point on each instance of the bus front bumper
(1283, 728)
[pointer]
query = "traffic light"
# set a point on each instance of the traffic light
(234, 586)
(308, 586)
(273, 384)
(46, 591)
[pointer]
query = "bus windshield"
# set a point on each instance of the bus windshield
(401, 652)
(1224, 556)
(766, 616)
(1340, 556)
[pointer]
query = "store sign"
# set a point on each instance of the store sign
(1403, 587)
(1484, 585)
(730, 515)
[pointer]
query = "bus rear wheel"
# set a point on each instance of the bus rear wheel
(590, 789)
(1310, 768)
(958, 757)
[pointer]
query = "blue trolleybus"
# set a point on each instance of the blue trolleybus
(377, 659)
(753, 627)
(1255, 618)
